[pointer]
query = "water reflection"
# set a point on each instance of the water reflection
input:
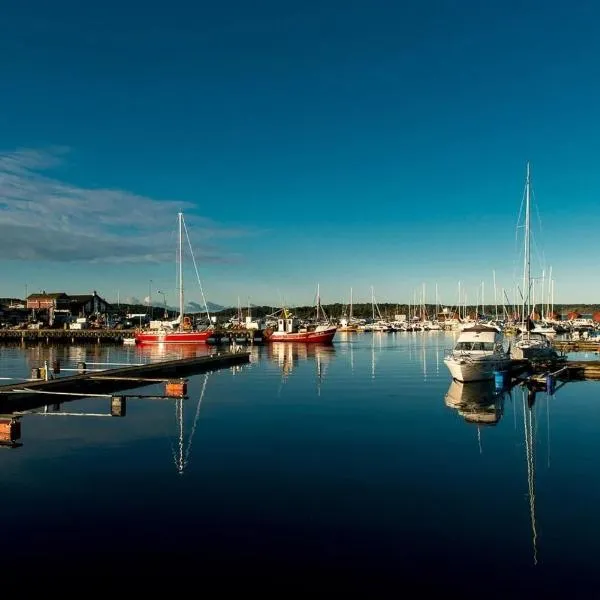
(11, 423)
(182, 451)
(287, 356)
(158, 352)
(481, 403)
(529, 428)
(477, 402)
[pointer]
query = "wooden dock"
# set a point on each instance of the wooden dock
(30, 394)
(567, 346)
(582, 369)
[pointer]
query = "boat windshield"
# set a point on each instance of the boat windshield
(471, 346)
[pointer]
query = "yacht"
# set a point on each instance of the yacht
(533, 345)
(479, 352)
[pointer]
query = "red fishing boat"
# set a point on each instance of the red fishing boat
(182, 330)
(291, 329)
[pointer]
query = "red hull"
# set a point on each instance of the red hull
(172, 337)
(313, 337)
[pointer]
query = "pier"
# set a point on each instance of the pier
(38, 392)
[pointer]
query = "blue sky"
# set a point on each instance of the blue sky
(346, 144)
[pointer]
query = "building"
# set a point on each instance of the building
(79, 305)
(44, 301)
(83, 305)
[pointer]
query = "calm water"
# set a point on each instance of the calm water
(357, 460)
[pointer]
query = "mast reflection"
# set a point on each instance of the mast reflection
(481, 403)
(529, 428)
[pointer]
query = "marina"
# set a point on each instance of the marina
(269, 427)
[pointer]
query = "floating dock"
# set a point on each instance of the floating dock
(38, 392)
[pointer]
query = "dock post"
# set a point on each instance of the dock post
(118, 406)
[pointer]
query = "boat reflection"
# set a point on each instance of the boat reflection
(157, 352)
(481, 403)
(288, 356)
(477, 401)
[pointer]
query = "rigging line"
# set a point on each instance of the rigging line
(196, 270)
(188, 448)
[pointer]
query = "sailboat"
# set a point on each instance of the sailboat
(348, 324)
(182, 331)
(529, 344)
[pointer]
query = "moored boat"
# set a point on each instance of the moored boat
(183, 331)
(479, 353)
(291, 329)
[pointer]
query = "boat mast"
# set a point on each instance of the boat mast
(495, 294)
(180, 260)
(318, 300)
(373, 304)
(527, 261)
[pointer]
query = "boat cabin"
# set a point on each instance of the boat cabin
(289, 325)
(479, 339)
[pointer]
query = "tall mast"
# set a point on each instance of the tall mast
(318, 300)
(527, 261)
(350, 304)
(373, 303)
(495, 295)
(180, 257)
(483, 298)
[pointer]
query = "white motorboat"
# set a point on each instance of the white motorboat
(479, 352)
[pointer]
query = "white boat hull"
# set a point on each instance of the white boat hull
(474, 368)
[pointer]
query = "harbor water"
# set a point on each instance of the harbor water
(356, 462)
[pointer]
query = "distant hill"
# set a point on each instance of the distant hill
(194, 307)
